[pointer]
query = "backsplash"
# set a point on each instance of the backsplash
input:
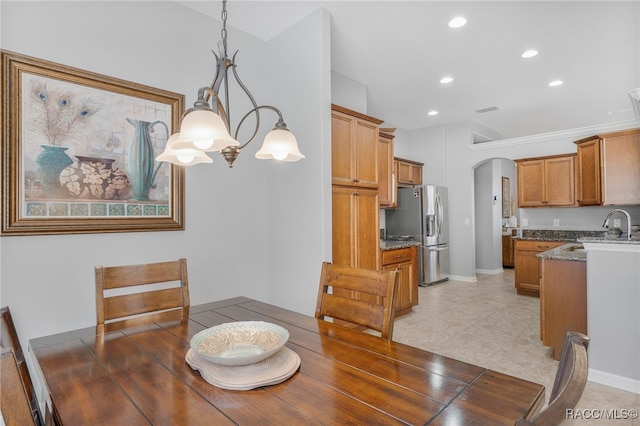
(560, 235)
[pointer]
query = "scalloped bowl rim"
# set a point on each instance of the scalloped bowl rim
(240, 352)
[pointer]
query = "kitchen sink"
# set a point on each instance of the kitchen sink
(575, 247)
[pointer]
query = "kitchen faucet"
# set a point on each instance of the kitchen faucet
(624, 212)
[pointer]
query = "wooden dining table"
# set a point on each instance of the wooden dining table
(138, 376)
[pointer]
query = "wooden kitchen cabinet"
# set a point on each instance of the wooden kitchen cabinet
(354, 148)
(409, 172)
(386, 173)
(563, 301)
(608, 169)
(547, 181)
(405, 261)
(526, 264)
(355, 232)
(507, 251)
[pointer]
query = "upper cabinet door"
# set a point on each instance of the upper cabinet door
(608, 169)
(354, 148)
(366, 153)
(342, 159)
(386, 178)
(531, 183)
(409, 172)
(588, 189)
(560, 184)
(547, 181)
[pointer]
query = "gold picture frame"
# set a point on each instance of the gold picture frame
(506, 197)
(78, 152)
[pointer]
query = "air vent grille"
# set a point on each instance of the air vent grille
(487, 109)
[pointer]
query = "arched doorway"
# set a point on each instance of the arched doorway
(489, 212)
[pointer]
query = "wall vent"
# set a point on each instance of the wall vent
(487, 109)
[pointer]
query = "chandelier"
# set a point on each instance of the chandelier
(206, 127)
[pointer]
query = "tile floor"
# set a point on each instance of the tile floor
(486, 323)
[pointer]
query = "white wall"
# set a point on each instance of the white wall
(257, 223)
(348, 93)
(300, 193)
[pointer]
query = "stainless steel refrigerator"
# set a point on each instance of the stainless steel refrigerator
(422, 215)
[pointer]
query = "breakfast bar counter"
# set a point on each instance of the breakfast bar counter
(139, 376)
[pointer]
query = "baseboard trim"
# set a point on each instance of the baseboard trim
(462, 278)
(490, 271)
(614, 381)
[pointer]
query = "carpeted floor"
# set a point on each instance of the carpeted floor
(487, 324)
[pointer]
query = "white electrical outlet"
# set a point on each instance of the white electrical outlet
(525, 221)
(556, 222)
(616, 223)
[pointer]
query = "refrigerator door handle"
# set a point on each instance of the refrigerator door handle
(437, 249)
(438, 214)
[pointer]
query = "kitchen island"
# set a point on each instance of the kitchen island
(563, 294)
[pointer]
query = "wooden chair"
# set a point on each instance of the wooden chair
(571, 379)
(19, 403)
(120, 302)
(358, 296)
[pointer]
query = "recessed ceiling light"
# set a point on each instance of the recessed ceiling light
(457, 22)
(529, 53)
(445, 80)
(432, 113)
(555, 83)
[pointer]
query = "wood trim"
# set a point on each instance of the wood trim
(547, 157)
(608, 135)
(408, 161)
(356, 114)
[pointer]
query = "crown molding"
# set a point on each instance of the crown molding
(576, 134)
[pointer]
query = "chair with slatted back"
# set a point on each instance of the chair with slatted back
(132, 295)
(358, 296)
(18, 393)
(569, 384)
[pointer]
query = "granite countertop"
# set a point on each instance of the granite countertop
(571, 251)
(393, 244)
(557, 235)
(635, 239)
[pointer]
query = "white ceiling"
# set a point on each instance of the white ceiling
(401, 49)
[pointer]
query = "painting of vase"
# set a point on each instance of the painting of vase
(84, 151)
(95, 178)
(50, 163)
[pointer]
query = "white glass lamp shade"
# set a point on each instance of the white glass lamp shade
(204, 130)
(182, 156)
(280, 144)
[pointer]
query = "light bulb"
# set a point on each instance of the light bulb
(203, 144)
(185, 159)
(280, 155)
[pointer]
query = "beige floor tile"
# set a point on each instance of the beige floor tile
(486, 323)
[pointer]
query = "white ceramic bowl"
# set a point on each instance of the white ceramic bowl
(239, 343)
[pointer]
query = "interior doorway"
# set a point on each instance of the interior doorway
(495, 201)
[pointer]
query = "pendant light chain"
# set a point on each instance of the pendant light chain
(223, 31)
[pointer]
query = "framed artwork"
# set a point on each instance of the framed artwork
(506, 197)
(78, 152)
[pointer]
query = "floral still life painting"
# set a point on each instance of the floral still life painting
(83, 148)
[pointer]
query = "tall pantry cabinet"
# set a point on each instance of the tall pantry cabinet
(355, 203)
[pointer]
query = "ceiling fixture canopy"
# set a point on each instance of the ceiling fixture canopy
(206, 127)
